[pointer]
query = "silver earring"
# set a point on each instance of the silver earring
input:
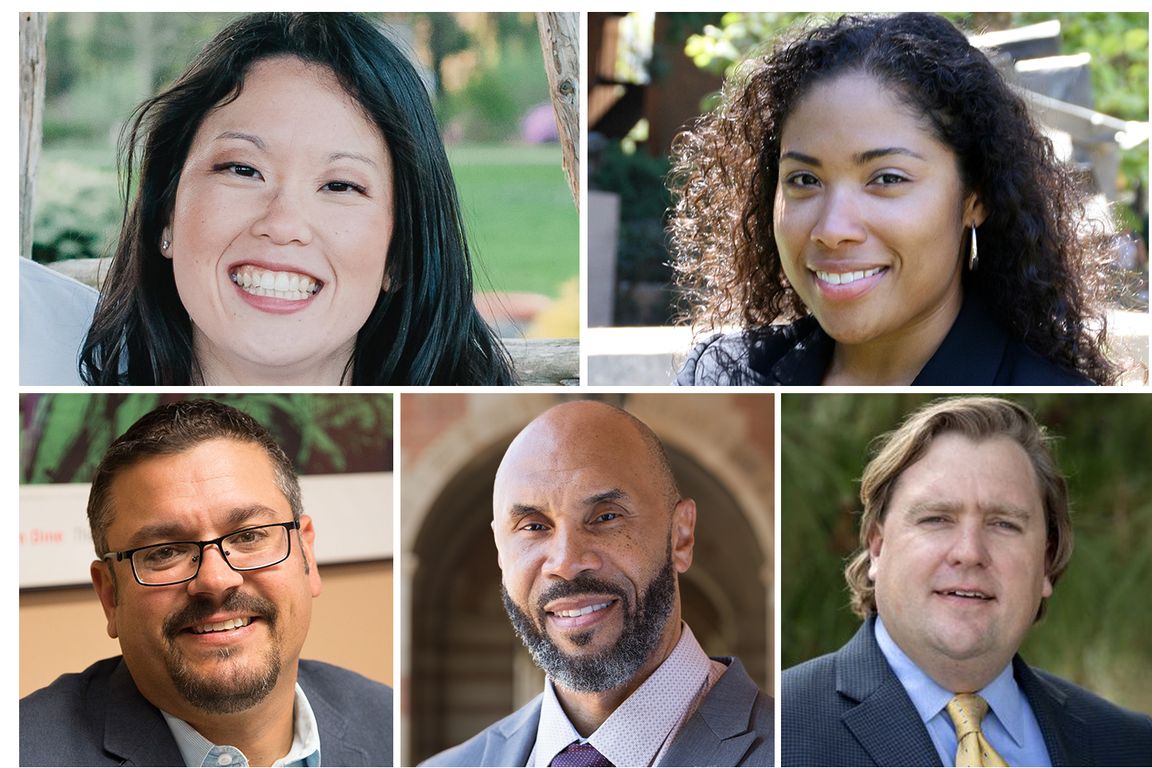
(973, 258)
(164, 245)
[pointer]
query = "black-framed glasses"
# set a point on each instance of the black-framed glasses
(175, 562)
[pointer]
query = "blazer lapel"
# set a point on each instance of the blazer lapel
(512, 741)
(1063, 732)
(718, 733)
(335, 748)
(134, 730)
(884, 722)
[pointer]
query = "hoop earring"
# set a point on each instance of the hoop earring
(973, 257)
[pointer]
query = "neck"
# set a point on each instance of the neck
(228, 370)
(263, 733)
(587, 710)
(893, 359)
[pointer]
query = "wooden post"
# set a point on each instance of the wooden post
(32, 29)
(560, 41)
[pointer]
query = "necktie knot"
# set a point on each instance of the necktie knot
(967, 711)
(577, 755)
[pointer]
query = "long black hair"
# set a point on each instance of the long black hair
(423, 329)
(1040, 267)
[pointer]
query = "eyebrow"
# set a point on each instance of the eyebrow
(261, 144)
(613, 494)
(234, 520)
(1006, 510)
(351, 156)
(860, 158)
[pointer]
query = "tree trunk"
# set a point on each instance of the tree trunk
(560, 41)
(32, 29)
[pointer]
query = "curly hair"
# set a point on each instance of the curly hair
(1033, 243)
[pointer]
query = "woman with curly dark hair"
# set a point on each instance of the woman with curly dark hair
(876, 183)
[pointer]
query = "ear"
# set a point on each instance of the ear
(974, 213)
(499, 556)
(683, 534)
(875, 543)
(307, 543)
(105, 585)
(166, 242)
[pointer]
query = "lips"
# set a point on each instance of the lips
(846, 278)
(280, 284)
(967, 594)
(567, 610)
(227, 625)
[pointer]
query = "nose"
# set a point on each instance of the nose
(969, 546)
(840, 221)
(284, 219)
(570, 553)
(215, 575)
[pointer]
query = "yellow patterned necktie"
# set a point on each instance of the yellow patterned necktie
(967, 711)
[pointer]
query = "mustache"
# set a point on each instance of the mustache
(199, 609)
(582, 584)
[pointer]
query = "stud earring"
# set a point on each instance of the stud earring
(973, 258)
(164, 245)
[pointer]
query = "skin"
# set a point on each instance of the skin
(289, 177)
(968, 516)
(579, 492)
(209, 490)
(866, 185)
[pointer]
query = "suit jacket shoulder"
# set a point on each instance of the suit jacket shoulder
(732, 726)
(353, 714)
(99, 717)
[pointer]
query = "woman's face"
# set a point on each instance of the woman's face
(870, 214)
(280, 228)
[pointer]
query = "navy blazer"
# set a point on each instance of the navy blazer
(849, 708)
(976, 352)
(99, 717)
(732, 726)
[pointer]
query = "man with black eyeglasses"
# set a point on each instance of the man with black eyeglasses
(206, 575)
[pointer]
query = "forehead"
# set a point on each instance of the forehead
(214, 484)
(281, 97)
(574, 457)
(990, 473)
(853, 111)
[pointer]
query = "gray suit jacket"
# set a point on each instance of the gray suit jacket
(98, 717)
(849, 708)
(732, 726)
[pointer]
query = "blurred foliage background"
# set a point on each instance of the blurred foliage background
(1099, 617)
(489, 87)
(64, 436)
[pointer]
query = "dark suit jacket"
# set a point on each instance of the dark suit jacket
(976, 352)
(98, 717)
(849, 708)
(732, 726)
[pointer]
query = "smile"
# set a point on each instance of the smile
(292, 286)
(967, 594)
(583, 611)
(220, 626)
(845, 278)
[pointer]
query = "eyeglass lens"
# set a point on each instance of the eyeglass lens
(244, 550)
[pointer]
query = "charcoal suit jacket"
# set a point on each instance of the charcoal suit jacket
(849, 708)
(99, 717)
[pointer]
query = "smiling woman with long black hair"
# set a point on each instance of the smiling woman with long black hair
(875, 183)
(295, 222)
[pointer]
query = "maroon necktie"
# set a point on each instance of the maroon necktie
(577, 755)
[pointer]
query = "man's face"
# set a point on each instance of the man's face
(959, 562)
(589, 543)
(176, 658)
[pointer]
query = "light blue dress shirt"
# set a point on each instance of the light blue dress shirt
(199, 752)
(1010, 725)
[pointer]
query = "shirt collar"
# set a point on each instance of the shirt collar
(637, 730)
(1004, 697)
(199, 751)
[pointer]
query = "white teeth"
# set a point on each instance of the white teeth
(221, 626)
(583, 611)
(980, 595)
(843, 278)
(281, 285)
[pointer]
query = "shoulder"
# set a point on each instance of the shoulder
(809, 692)
(741, 357)
(1023, 367)
(523, 721)
(55, 314)
(344, 687)
(76, 705)
(1104, 719)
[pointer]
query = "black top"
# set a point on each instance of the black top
(976, 352)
